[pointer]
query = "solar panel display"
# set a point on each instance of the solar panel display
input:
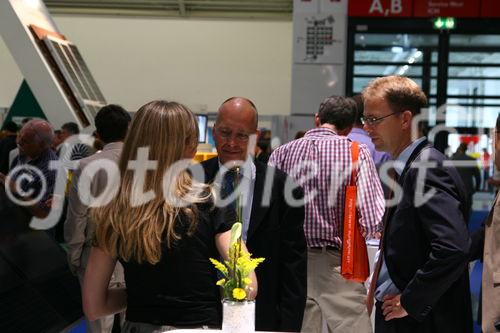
(77, 74)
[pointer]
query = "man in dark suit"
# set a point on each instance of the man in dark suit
(468, 169)
(272, 227)
(421, 281)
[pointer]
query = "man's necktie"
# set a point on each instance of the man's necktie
(378, 265)
(228, 185)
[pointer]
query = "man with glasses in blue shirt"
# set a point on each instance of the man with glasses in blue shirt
(421, 281)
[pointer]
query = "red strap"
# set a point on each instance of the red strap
(354, 166)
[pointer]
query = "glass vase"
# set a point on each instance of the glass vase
(238, 317)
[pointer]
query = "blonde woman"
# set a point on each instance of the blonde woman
(164, 248)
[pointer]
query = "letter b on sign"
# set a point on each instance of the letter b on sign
(396, 7)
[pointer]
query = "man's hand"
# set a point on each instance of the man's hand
(56, 201)
(493, 182)
(391, 308)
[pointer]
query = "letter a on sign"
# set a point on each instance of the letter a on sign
(376, 7)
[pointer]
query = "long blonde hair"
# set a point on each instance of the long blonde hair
(137, 232)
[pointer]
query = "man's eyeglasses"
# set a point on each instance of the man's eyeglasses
(370, 121)
(227, 134)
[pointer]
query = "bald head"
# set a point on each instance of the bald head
(35, 137)
(239, 107)
(235, 130)
(42, 130)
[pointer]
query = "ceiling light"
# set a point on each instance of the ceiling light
(396, 49)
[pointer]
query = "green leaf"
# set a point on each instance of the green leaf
(235, 233)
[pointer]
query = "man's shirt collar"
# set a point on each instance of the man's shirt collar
(405, 155)
(248, 168)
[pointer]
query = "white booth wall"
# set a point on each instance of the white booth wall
(198, 62)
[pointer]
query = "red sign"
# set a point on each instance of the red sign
(449, 8)
(490, 8)
(381, 8)
(469, 138)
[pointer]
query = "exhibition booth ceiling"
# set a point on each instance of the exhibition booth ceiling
(272, 9)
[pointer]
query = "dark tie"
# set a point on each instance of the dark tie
(228, 185)
(378, 265)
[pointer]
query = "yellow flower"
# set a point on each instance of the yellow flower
(247, 281)
(221, 282)
(219, 266)
(246, 264)
(239, 294)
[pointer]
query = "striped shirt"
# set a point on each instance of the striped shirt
(78, 151)
(321, 163)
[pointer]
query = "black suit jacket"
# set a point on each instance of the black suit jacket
(276, 233)
(426, 247)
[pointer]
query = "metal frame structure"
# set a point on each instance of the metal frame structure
(442, 64)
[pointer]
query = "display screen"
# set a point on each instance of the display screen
(202, 128)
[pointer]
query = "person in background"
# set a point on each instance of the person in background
(263, 147)
(485, 246)
(486, 160)
(164, 248)
(24, 121)
(326, 149)
(67, 154)
(421, 279)
(358, 134)
(111, 124)
(57, 140)
(7, 144)
(468, 169)
(272, 227)
(15, 152)
(34, 142)
(78, 151)
(299, 134)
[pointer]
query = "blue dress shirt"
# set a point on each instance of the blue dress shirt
(385, 285)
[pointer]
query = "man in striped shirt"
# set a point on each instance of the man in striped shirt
(321, 163)
(77, 150)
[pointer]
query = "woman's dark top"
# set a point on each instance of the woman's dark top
(180, 290)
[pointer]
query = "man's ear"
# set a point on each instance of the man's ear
(317, 122)
(407, 119)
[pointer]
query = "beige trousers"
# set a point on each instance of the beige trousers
(340, 303)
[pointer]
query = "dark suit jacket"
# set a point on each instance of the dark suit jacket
(470, 175)
(6, 145)
(276, 233)
(426, 247)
